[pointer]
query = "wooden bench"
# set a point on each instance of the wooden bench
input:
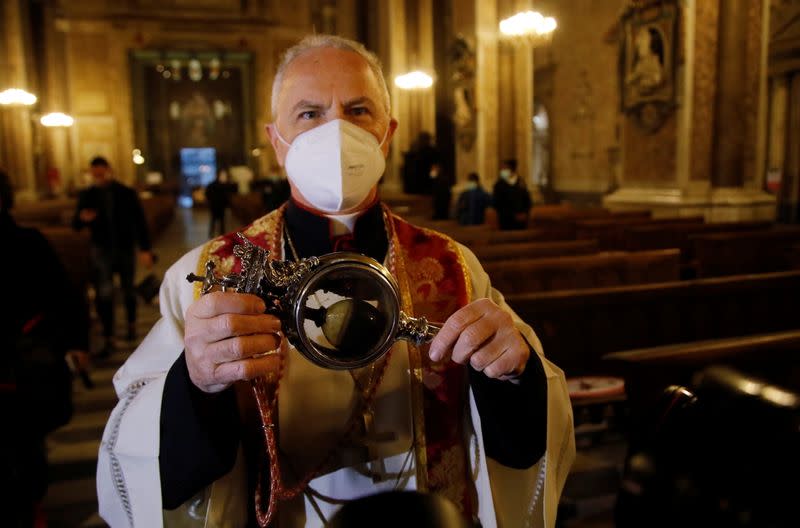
(578, 327)
(609, 232)
(500, 252)
(584, 271)
(72, 248)
(649, 371)
(57, 212)
(723, 254)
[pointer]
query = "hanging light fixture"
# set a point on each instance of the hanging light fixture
(530, 27)
(17, 97)
(415, 80)
(56, 120)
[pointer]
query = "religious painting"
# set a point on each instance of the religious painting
(647, 72)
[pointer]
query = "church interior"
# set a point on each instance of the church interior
(654, 145)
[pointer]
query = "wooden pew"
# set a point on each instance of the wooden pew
(609, 231)
(57, 212)
(722, 254)
(662, 236)
(649, 371)
(578, 327)
(72, 248)
(518, 250)
(584, 271)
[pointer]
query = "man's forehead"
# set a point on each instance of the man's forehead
(324, 72)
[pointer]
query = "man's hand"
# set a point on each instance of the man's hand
(87, 215)
(483, 335)
(146, 259)
(226, 337)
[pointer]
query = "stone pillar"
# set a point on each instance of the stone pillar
(778, 113)
(486, 89)
(729, 129)
(790, 191)
(17, 149)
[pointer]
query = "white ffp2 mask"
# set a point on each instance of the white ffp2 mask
(335, 165)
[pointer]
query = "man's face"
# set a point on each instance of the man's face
(326, 84)
(99, 173)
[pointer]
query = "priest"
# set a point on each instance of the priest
(479, 416)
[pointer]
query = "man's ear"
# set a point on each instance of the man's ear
(277, 144)
(389, 136)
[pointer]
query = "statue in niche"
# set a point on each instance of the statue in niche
(463, 61)
(648, 64)
(647, 61)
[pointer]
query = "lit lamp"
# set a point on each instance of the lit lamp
(56, 120)
(415, 80)
(17, 97)
(530, 27)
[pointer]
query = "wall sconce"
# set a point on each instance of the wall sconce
(415, 80)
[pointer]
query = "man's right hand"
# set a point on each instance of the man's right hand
(224, 331)
(87, 215)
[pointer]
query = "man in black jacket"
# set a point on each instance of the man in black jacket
(114, 215)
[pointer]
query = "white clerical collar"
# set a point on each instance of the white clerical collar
(343, 224)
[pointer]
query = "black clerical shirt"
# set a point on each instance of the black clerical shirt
(200, 433)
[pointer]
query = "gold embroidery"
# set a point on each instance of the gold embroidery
(447, 475)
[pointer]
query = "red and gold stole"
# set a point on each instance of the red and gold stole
(434, 282)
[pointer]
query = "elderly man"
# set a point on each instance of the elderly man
(480, 416)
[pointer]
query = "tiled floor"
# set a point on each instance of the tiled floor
(71, 500)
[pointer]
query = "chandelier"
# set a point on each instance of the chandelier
(16, 97)
(529, 27)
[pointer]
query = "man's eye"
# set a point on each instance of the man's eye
(308, 115)
(359, 111)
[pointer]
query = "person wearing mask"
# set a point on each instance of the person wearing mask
(511, 198)
(483, 420)
(45, 327)
(473, 201)
(113, 213)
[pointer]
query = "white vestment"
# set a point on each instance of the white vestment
(314, 405)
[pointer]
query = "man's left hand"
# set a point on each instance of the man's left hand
(483, 335)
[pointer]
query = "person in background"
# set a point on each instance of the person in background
(45, 325)
(114, 215)
(440, 188)
(275, 191)
(472, 202)
(511, 198)
(218, 199)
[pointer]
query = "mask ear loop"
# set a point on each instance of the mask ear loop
(280, 137)
(385, 135)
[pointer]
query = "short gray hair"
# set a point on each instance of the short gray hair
(312, 42)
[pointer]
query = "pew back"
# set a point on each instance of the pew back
(721, 254)
(499, 252)
(584, 271)
(578, 327)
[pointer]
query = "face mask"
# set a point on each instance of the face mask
(505, 174)
(471, 186)
(335, 165)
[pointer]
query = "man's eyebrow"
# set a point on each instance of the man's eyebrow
(305, 103)
(359, 100)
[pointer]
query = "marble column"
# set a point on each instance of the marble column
(729, 129)
(790, 191)
(486, 144)
(17, 150)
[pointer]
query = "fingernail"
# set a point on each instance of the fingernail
(435, 355)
